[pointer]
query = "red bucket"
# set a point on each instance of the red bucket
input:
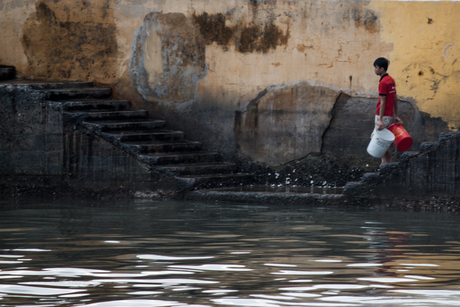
(403, 140)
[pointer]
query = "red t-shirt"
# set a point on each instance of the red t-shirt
(387, 87)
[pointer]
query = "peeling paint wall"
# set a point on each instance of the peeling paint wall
(71, 40)
(425, 55)
(198, 63)
(168, 58)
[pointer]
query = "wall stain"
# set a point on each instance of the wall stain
(254, 6)
(246, 37)
(301, 48)
(57, 47)
(366, 19)
(272, 36)
(213, 28)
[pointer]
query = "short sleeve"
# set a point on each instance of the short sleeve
(383, 88)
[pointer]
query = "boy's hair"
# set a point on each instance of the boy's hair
(382, 62)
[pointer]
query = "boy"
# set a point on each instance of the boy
(387, 106)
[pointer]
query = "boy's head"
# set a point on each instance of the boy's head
(381, 65)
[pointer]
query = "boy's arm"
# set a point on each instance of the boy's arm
(397, 119)
(383, 100)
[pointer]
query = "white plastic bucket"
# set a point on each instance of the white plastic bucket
(380, 142)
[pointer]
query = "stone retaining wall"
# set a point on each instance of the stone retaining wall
(434, 171)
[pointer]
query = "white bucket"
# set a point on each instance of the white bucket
(380, 142)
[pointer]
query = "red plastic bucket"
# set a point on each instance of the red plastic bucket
(403, 140)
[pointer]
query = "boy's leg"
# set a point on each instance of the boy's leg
(386, 157)
(387, 121)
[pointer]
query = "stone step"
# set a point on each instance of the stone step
(101, 104)
(179, 157)
(109, 115)
(119, 125)
(59, 94)
(427, 145)
(407, 155)
(370, 177)
(285, 198)
(157, 146)
(208, 181)
(7, 72)
(145, 135)
(199, 168)
(46, 85)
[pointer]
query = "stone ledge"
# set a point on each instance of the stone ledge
(7, 72)
(267, 198)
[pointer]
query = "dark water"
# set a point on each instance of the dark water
(144, 253)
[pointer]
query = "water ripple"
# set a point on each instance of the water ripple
(213, 254)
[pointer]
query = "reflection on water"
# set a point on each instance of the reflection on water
(143, 253)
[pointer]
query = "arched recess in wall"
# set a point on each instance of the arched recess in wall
(168, 58)
(285, 123)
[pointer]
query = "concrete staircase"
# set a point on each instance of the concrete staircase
(146, 139)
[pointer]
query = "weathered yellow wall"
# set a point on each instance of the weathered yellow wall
(250, 45)
(426, 49)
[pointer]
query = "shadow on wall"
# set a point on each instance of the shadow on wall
(287, 123)
(78, 47)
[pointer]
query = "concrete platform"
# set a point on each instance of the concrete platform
(271, 195)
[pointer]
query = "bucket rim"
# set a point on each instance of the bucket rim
(394, 126)
(385, 134)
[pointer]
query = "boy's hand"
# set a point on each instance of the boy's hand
(398, 120)
(380, 125)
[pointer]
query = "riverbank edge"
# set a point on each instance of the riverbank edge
(53, 189)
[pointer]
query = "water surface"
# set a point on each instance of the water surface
(146, 253)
